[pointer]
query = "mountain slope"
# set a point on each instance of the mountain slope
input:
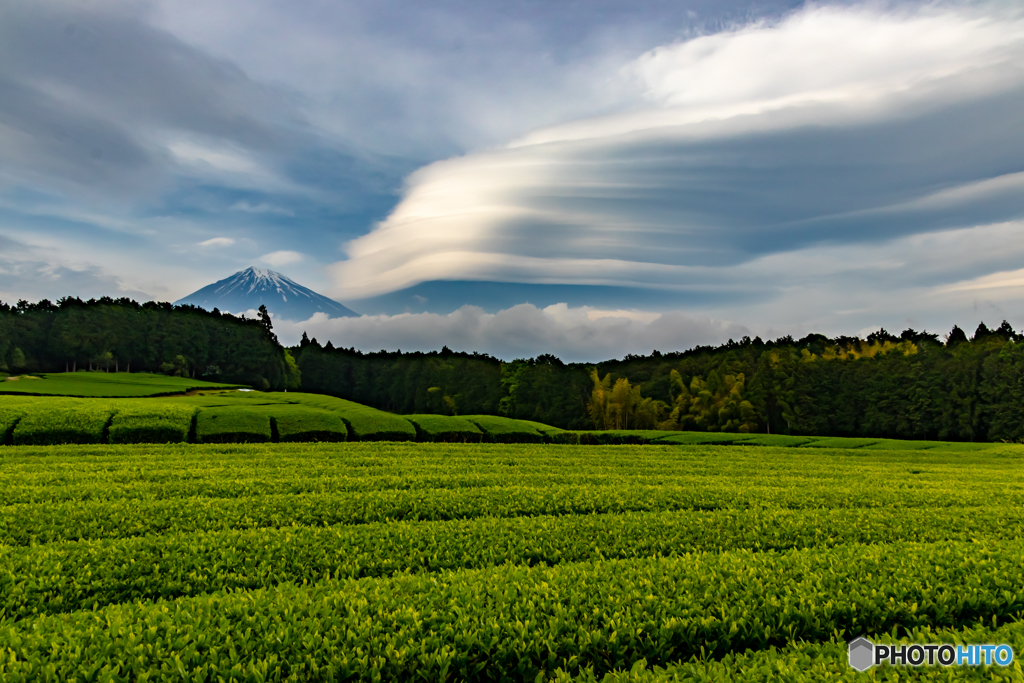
(283, 297)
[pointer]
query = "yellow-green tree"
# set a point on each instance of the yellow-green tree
(716, 403)
(293, 376)
(621, 405)
(177, 368)
(597, 407)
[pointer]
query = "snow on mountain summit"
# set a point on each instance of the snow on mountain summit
(248, 289)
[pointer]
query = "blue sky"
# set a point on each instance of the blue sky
(583, 178)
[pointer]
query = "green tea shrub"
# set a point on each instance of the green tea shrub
(365, 423)
(299, 423)
(145, 422)
(506, 430)
(63, 421)
(232, 425)
(443, 428)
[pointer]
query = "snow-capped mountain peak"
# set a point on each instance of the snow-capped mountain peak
(248, 289)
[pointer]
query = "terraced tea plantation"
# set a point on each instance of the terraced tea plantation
(243, 416)
(501, 562)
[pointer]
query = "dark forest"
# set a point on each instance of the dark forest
(914, 385)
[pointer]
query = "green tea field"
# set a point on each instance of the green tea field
(102, 384)
(502, 562)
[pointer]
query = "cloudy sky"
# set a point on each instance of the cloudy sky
(588, 178)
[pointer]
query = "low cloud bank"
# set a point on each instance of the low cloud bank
(523, 331)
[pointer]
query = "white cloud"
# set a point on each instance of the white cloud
(923, 281)
(42, 268)
(828, 54)
(857, 57)
(262, 207)
(573, 334)
(1010, 282)
(835, 125)
(227, 164)
(282, 258)
(51, 207)
(445, 75)
(217, 242)
(632, 314)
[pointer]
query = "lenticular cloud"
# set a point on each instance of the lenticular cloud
(834, 125)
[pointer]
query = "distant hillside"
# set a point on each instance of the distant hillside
(248, 289)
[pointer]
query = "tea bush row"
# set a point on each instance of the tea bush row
(64, 577)
(513, 622)
(826, 661)
(26, 523)
(237, 419)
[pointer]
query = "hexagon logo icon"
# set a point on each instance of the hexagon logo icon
(862, 654)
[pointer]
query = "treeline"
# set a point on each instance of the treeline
(121, 335)
(441, 382)
(910, 386)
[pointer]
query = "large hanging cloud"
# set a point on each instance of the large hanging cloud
(836, 125)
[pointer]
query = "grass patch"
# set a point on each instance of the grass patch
(948, 446)
(901, 445)
(446, 429)
(105, 385)
(703, 438)
(969, 446)
(780, 440)
(843, 442)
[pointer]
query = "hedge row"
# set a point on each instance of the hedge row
(25, 524)
(827, 661)
(520, 623)
(64, 577)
